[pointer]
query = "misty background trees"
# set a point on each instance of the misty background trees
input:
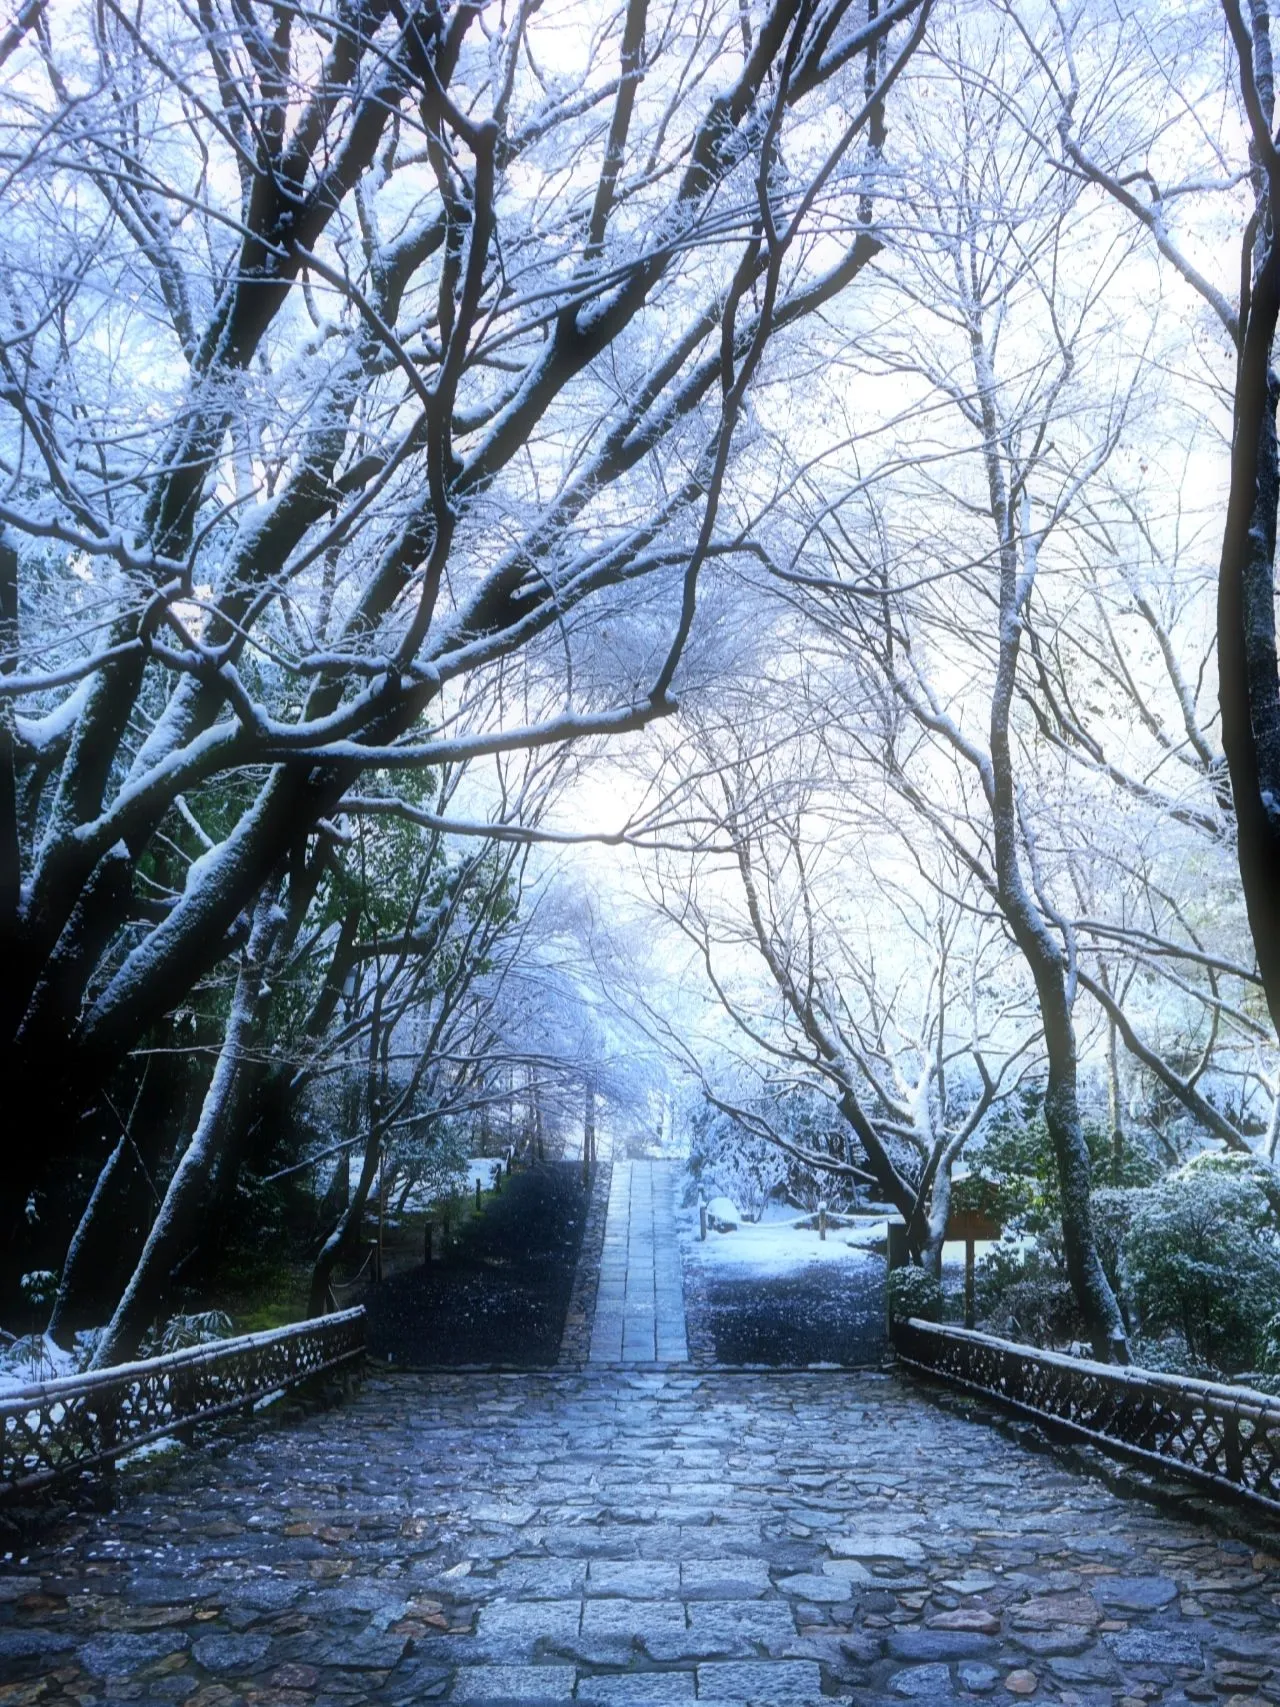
(670, 554)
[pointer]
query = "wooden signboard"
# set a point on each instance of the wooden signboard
(971, 1225)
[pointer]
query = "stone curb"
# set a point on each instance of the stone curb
(575, 1342)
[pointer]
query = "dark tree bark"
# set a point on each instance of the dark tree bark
(1248, 677)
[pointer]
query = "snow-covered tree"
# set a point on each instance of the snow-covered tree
(368, 383)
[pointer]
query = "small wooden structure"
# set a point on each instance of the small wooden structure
(971, 1225)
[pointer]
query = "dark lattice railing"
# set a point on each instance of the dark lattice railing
(1226, 1437)
(56, 1428)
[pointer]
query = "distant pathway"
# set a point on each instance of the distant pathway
(620, 1537)
(640, 1303)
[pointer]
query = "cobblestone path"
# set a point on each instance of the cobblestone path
(627, 1537)
(640, 1302)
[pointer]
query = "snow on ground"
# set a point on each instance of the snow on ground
(25, 1362)
(423, 1198)
(776, 1245)
(482, 1168)
(773, 1247)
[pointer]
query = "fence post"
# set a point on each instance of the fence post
(897, 1255)
(822, 1220)
(477, 1191)
(702, 1218)
(968, 1283)
(1231, 1440)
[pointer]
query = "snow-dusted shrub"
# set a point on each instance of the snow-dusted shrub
(33, 1357)
(723, 1214)
(1015, 1169)
(725, 1159)
(1233, 1164)
(1114, 1208)
(428, 1164)
(1203, 1260)
(912, 1292)
(1024, 1294)
(1167, 1354)
(1269, 1360)
(202, 1327)
(39, 1288)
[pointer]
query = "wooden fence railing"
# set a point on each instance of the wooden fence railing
(1223, 1437)
(56, 1428)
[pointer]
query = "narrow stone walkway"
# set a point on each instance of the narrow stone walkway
(640, 1302)
(623, 1537)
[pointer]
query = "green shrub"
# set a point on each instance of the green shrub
(1269, 1349)
(1234, 1165)
(912, 1292)
(1203, 1260)
(1114, 1208)
(1019, 1169)
(1024, 1294)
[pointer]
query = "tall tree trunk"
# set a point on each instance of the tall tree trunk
(60, 1325)
(349, 1221)
(588, 1126)
(10, 842)
(1115, 1094)
(1027, 920)
(191, 1178)
(1249, 693)
(1248, 679)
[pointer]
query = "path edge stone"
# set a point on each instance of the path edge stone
(575, 1342)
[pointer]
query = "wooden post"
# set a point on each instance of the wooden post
(497, 1176)
(898, 1255)
(822, 1220)
(702, 1218)
(971, 1225)
(1234, 1449)
(382, 1206)
(477, 1191)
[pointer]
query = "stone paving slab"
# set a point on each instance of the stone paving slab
(636, 1538)
(639, 1311)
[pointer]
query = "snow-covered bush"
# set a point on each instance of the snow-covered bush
(1233, 1164)
(1269, 1347)
(428, 1163)
(200, 1328)
(1016, 1168)
(1024, 1293)
(1113, 1210)
(39, 1288)
(1203, 1260)
(728, 1160)
(723, 1214)
(912, 1292)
